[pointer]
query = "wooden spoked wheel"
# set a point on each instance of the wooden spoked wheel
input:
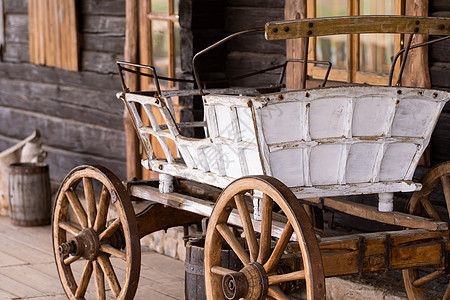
(420, 204)
(95, 236)
(258, 278)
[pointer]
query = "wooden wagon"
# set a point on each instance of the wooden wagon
(270, 150)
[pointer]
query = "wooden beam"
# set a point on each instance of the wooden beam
(131, 55)
(293, 10)
(371, 213)
(417, 71)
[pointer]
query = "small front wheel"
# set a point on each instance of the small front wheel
(259, 278)
(95, 236)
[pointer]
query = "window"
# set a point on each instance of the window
(364, 58)
(159, 38)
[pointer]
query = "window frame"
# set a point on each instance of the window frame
(352, 74)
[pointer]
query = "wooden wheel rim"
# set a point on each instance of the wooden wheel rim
(121, 201)
(421, 200)
(297, 217)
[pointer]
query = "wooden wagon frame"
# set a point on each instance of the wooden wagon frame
(253, 156)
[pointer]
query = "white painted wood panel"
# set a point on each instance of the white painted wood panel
(347, 138)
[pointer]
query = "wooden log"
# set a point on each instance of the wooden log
(86, 80)
(371, 213)
(70, 135)
(103, 25)
(294, 9)
(29, 194)
(371, 252)
(108, 8)
(131, 54)
(416, 72)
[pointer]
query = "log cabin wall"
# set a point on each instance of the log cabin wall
(252, 52)
(77, 113)
(439, 60)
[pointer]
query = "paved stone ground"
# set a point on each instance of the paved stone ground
(28, 270)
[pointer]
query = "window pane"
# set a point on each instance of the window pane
(332, 48)
(160, 47)
(176, 34)
(376, 50)
(176, 5)
(159, 6)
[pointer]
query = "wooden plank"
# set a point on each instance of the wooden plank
(64, 134)
(371, 213)
(17, 28)
(294, 10)
(356, 24)
(417, 72)
(16, 7)
(108, 8)
(100, 24)
(87, 80)
(131, 54)
(341, 254)
(110, 43)
(72, 31)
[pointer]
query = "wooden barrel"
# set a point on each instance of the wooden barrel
(29, 194)
(194, 283)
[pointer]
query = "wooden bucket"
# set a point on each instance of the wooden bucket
(194, 283)
(29, 194)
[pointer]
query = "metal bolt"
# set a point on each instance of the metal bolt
(310, 25)
(286, 28)
(307, 95)
(309, 32)
(399, 92)
(275, 30)
(417, 22)
(157, 101)
(280, 97)
(416, 30)
(160, 167)
(442, 26)
(435, 95)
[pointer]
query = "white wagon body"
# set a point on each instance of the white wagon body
(319, 142)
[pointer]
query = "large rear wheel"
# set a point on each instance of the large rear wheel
(259, 279)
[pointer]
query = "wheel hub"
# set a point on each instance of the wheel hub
(249, 283)
(85, 244)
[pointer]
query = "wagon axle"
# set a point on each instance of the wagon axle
(250, 283)
(85, 245)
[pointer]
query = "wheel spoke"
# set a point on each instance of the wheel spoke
(249, 231)
(233, 242)
(102, 213)
(447, 293)
(279, 248)
(108, 270)
(275, 279)
(69, 227)
(77, 207)
(84, 281)
(71, 260)
(431, 211)
(276, 293)
(221, 270)
(113, 251)
(99, 282)
(108, 232)
(428, 278)
(91, 205)
(445, 180)
(266, 229)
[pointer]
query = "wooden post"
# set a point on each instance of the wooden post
(294, 9)
(131, 55)
(417, 72)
